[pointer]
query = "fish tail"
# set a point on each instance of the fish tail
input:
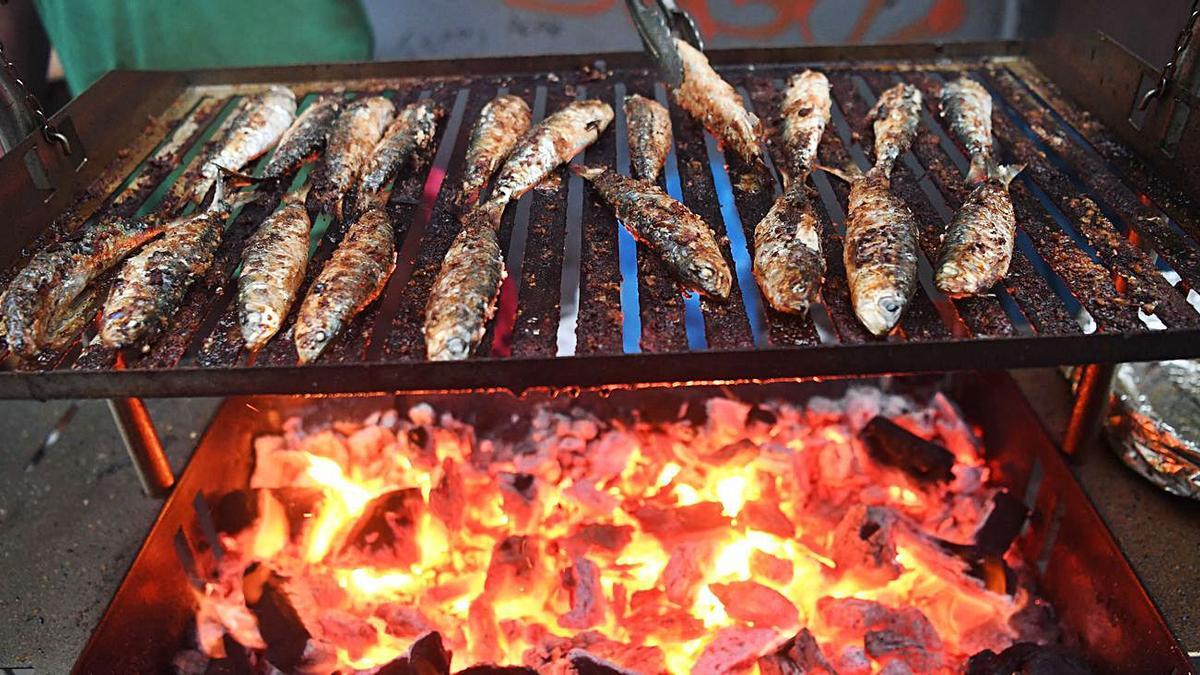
(587, 172)
(1005, 173)
(848, 172)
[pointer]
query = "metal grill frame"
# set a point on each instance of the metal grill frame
(110, 121)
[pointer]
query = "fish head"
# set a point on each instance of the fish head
(311, 340)
(122, 328)
(448, 343)
(711, 277)
(259, 323)
(880, 310)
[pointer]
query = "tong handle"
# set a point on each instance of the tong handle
(681, 23)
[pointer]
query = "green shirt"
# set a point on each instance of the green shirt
(95, 36)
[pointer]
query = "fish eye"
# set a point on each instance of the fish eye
(457, 346)
(705, 273)
(890, 304)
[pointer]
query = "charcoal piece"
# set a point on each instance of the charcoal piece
(600, 536)
(278, 621)
(768, 567)
(1027, 658)
(235, 511)
(696, 413)
(426, 656)
(760, 415)
(734, 648)
(448, 497)
(765, 516)
(864, 542)
(1002, 526)
(800, 655)
(892, 445)
(385, 535)
(418, 437)
(583, 663)
(681, 521)
(756, 604)
(402, 621)
(522, 484)
(737, 453)
(488, 669)
(513, 567)
(685, 570)
(582, 582)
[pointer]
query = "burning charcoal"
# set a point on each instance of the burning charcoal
(385, 535)
(756, 604)
(582, 582)
(483, 630)
(765, 516)
(448, 497)
(667, 623)
(799, 656)
(600, 652)
(768, 567)
(760, 415)
(907, 645)
(734, 648)
(852, 615)
(514, 569)
(418, 438)
(369, 445)
(888, 634)
(599, 536)
(1002, 526)
(347, 630)
(402, 621)
(235, 511)
(328, 444)
(609, 455)
(290, 647)
(487, 669)
(681, 521)
(276, 466)
(594, 501)
(584, 663)
(426, 656)
(726, 418)
(892, 445)
(864, 543)
(695, 413)
(685, 571)
(896, 668)
(737, 453)
(1028, 658)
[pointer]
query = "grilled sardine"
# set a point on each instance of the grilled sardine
(273, 263)
(351, 141)
(679, 237)
(304, 139)
(897, 114)
(502, 122)
(553, 141)
(410, 137)
(151, 284)
(43, 294)
(967, 107)
(788, 263)
(978, 245)
(880, 252)
(463, 297)
(717, 105)
(261, 124)
(355, 275)
(649, 131)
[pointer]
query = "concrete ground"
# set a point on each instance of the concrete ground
(72, 517)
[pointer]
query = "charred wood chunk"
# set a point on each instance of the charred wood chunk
(513, 569)
(1002, 526)
(599, 536)
(756, 604)
(426, 656)
(483, 630)
(681, 521)
(1028, 658)
(864, 542)
(800, 655)
(347, 630)
(737, 453)
(685, 571)
(888, 634)
(488, 669)
(765, 516)
(448, 497)
(279, 623)
(300, 504)
(592, 652)
(892, 445)
(583, 663)
(766, 566)
(235, 511)
(760, 415)
(582, 582)
(402, 621)
(733, 649)
(385, 535)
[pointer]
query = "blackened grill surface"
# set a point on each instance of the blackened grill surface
(1106, 251)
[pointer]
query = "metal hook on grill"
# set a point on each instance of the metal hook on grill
(658, 24)
(1166, 78)
(34, 106)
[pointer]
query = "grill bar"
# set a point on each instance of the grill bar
(1096, 249)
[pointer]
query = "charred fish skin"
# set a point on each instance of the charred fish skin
(679, 237)
(649, 130)
(463, 298)
(502, 123)
(355, 275)
(896, 115)
(304, 139)
(410, 136)
(977, 247)
(553, 141)
(40, 296)
(880, 253)
(353, 137)
(262, 123)
(273, 264)
(716, 104)
(806, 110)
(967, 108)
(788, 263)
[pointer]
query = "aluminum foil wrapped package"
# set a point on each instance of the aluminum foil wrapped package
(1155, 423)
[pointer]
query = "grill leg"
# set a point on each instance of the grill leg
(1091, 405)
(141, 441)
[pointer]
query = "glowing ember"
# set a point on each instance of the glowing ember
(749, 541)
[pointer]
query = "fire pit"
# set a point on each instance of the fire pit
(662, 530)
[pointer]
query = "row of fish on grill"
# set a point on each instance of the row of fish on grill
(361, 146)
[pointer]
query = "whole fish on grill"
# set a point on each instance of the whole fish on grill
(788, 263)
(273, 263)
(967, 108)
(649, 130)
(261, 123)
(553, 141)
(151, 284)
(355, 275)
(717, 105)
(463, 297)
(45, 294)
(351, 141)
(502, 122)
(408, 139)
(880, 250)
(679, 237)
(977, 247)
(304, 139)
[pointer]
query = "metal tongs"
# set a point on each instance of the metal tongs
(658, 24)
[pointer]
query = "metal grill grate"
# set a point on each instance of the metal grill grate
(1102, 272)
